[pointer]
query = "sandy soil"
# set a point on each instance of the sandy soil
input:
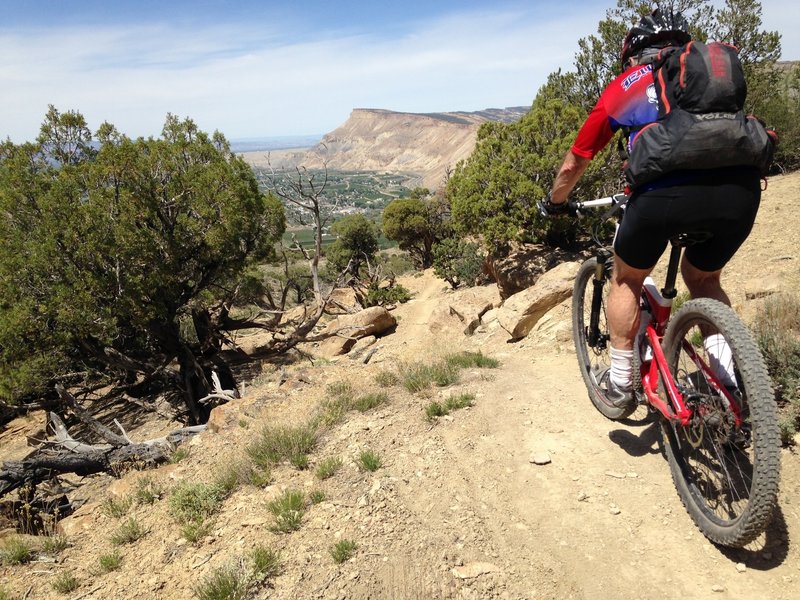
(460, 508)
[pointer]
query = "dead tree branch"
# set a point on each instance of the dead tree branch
(65, 454)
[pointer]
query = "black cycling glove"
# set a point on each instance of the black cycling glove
(547, 208)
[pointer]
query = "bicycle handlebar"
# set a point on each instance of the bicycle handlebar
(615, 200)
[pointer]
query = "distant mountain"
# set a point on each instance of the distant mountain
(422, 145)
(270, 144)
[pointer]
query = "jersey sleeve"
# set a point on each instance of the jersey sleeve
(595, 132)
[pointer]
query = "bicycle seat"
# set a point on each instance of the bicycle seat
(690, 238)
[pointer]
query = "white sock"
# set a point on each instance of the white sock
(720, 358)
(622, 368)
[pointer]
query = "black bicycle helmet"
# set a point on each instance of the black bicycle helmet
(656, 30)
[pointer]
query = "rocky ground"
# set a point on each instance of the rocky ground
(530, 493)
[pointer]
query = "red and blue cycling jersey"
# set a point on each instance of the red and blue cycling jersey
(627, 102)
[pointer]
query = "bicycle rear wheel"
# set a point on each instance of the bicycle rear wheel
(592, 344)
(726, 472)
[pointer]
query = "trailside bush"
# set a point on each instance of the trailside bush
(107, 243)
(458, 262)
(777, 329)
(381, 296)
(493, 194)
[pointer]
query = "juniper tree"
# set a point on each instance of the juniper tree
(493, 193)
(119, 258)
(417, 223)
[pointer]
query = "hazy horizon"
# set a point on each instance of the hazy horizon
(256, 68)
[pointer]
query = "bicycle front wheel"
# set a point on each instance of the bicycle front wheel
(591, 335)
(726, 462)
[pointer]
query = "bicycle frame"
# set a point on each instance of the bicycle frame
(655, 373)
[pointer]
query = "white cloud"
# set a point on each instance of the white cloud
(253, 80)
(249, 82)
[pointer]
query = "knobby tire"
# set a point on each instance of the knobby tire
(727, 476)
(593, 358)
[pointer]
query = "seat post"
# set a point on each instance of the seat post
(668, 291)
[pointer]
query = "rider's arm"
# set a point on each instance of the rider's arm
(568, 176)
(593, 136)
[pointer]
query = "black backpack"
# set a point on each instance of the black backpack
(701, 90)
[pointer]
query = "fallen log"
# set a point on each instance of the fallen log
(64, 454)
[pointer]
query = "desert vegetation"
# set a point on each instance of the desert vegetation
(131, 267)
(777, 329)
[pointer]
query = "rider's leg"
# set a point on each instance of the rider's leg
(703, 284)
(623, 318)
(706, 284)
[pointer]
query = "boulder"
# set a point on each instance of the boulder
(471, 304)
(520, 313)
(334, 346)
(519, 269)
(375, 320)
(465, 307)
(361, 346)
(370, 321)
(224, 415)
(83, 519)
(342, 301)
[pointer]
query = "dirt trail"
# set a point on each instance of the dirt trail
(460, 510)
(601, 519)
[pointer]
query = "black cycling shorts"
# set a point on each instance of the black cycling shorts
(723, 204)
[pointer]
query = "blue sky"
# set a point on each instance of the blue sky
(253, 69)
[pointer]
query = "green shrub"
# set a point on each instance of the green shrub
(127, 533)
(370, 401)
(340, 389)
(288, 510)
(65, 582)
(147, 491)
(328, 467)
(225, 583)
(276, 444)
(466, 360)
(259, 476)
(459, 401)
(228, 476)
(110, 562)
(381, 296)
(777, 330)
(679, 300)
(333, 412)
(368, 460)
(179, 455)
(419, 376)
(194, 531)
(55, 544)
(416, 377)
(342, 550)
(396, 263)
(458, 262)
(195, 502)
(16, 551)
(116, 507)
(387, 379)
(437, 409)
(266, 563)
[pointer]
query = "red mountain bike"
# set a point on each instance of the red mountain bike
(702, 375)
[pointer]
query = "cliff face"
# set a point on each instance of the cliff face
(422, 145)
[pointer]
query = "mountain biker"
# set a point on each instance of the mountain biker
(721, 201)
